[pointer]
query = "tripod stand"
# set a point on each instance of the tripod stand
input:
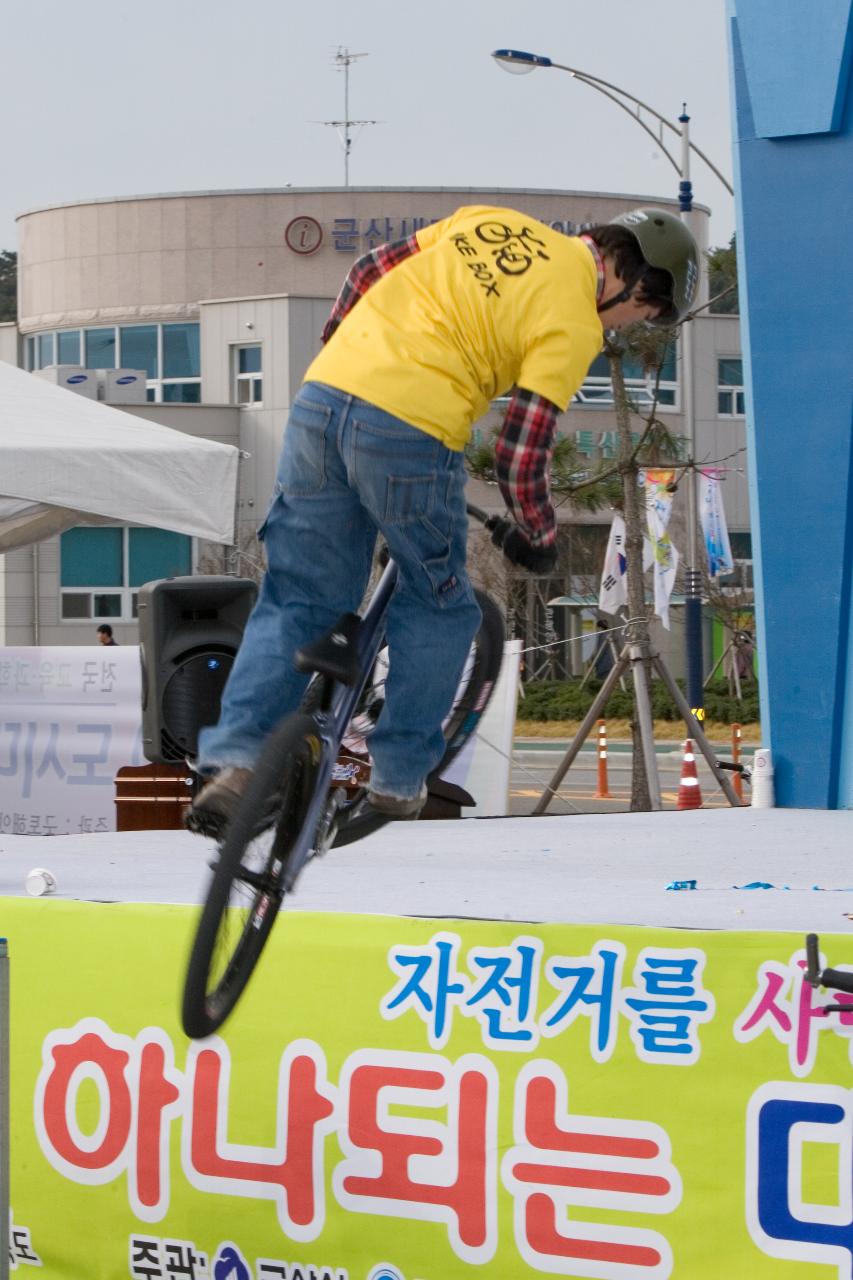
(611, 645)
(730, 660)
(637, 651)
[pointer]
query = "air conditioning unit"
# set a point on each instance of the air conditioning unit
(122, 386)
(71, 376)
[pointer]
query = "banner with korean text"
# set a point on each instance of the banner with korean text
(69, 720)
(659, 487)
(406, 1099)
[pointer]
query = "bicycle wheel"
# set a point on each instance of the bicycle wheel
(246, 889)
(471, 699)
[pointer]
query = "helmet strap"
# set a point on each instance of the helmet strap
(625, 293)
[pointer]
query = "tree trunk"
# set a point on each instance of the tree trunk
(634, 518)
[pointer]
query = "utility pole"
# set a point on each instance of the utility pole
(343, 61)
(692, 572)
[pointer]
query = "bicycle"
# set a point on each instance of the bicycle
(292, 811)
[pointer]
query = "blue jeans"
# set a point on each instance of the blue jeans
(348, 469)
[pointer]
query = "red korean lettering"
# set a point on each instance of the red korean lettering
(290, 1173)
(562, 1162)
(156, 1094)
(89, 1055)
(441, 1171)
(137, 1096)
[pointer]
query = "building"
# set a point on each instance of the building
(219, 298)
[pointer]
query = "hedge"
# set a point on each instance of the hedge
(566, 700)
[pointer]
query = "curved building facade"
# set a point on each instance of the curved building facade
(216, 302)
(133, 259)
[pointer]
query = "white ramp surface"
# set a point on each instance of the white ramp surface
(584, 869)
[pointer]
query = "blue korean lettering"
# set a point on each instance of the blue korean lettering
(90, 760)
(108, 677)
(428, 984)
(782, 1120)
(89, 676)
(378, 231)
(588, 987)
(22, 737)
(667, 1004)
(50, 757)
(345, 234)
(505, 997)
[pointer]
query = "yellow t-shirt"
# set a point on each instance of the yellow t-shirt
(494, 299)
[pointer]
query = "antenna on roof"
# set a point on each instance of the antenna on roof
(343, 60)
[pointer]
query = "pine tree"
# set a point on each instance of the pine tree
(8, 285)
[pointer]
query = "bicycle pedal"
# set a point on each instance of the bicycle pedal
(358, 821)
(210, 825)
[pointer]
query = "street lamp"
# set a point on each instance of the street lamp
(520, 63)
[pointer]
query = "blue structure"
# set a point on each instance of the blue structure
(791, 75)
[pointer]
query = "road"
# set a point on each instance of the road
(534, 764)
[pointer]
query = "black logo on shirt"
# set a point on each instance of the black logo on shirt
(514, 255)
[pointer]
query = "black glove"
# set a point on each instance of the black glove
(517, 549)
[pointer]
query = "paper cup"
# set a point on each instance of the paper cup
(40, 881)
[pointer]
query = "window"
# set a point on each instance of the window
(730, 396)
(169, 354)
(182, 392)
(68, 346)
(181, 357)
(139, 348)
(100, 348)
(44, 351)
(100, 568)
(181, 360)
(640, 386)
(248, 379)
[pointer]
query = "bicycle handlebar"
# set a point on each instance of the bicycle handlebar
(837, 979)
(477, 512)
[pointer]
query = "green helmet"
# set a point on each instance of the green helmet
(666, 242)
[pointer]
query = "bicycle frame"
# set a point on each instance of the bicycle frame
(337, 705)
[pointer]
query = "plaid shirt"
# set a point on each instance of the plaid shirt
(365, 272)
(526, 441)
(523, 452)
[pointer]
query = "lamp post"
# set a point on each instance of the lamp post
(519, 62)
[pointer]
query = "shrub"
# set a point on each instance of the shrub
(565, 700)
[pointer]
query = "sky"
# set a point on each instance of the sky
(117, 99)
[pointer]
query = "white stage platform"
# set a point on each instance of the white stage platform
(585, 869)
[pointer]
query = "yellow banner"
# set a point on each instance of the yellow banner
(404, 1099)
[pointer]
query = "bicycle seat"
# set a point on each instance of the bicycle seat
(335, 654)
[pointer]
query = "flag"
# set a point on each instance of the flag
(613, 592)
(713, 521)
(658, 485)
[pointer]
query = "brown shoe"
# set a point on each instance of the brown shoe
(397, 806)
(371, 810)
(215, 805)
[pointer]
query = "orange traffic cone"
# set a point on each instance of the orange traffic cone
(689, 791)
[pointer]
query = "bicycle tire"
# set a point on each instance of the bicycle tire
(483, 670)
(248, 876)
(467, 712)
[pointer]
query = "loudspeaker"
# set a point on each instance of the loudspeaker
(189, 633)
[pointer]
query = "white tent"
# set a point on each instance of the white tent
(66, 460)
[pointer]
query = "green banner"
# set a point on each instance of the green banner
(410, 1099)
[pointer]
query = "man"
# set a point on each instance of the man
(105, 634)
(424, 334)
(603, 659)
